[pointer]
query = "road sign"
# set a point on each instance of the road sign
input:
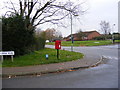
(7, 53)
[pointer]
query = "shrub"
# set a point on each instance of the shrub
(99, 38)
(40, 39)
(15, 36)
(117, 37)
(39, 43)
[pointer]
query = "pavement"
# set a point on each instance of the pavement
(86, 62)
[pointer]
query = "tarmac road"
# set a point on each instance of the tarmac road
(103, 76)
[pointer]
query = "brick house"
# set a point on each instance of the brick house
(88, 35)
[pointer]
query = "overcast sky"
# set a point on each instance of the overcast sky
(98, 10)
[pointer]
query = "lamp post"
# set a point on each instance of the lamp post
(113, 34)
(71, 18)
(72, 37)
(71, 33)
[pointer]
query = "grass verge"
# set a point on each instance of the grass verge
(38, 57)
(85, 43)
(118, 41)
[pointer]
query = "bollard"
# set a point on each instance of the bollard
(47, 56)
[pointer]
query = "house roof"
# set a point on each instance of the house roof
(86, 33)
(89, 32)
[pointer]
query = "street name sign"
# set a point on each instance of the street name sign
(7, 53)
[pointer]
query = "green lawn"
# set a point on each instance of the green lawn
(85, 43)
(38, 57)
(118, 41)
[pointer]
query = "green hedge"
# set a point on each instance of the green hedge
(39, 43)
(103, 37)
(17, 37)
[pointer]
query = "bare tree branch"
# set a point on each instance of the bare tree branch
(25, 6)
(9, 12)
(30, 11)
(21, 10)
(13, 6)
(37, 12)
(47, 16)
(51, 20)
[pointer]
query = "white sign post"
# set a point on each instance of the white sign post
(7, 53)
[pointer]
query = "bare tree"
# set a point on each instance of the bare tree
(105, 27)
(52, 34)
(58, 35)
(36, 12)
(80, 34)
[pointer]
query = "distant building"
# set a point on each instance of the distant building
(88, 35)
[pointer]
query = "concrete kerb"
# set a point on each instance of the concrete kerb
(40, 73)
(53, 71)
(99, 62)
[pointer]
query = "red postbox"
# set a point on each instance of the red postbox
(57, 44)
